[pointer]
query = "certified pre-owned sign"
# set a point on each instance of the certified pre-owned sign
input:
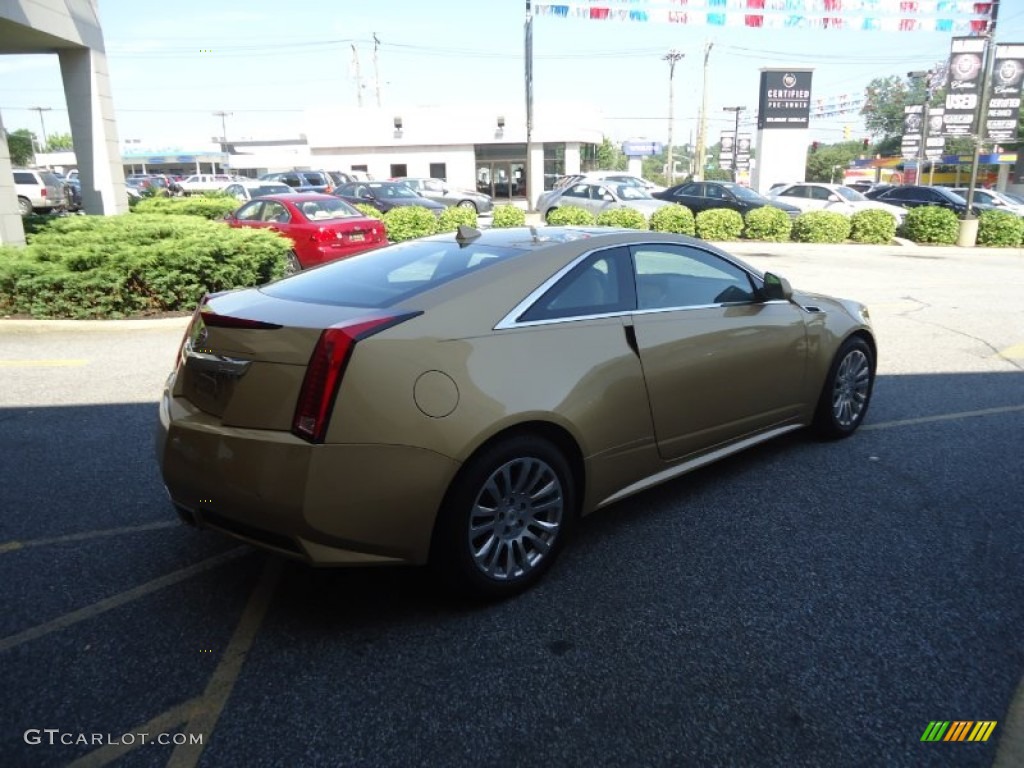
(785, 99)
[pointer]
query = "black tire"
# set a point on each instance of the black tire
(24, 206)
(846, 394)
(468, 204)
(527, 528)
(547, 214)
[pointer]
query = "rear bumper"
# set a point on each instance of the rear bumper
(323, 504)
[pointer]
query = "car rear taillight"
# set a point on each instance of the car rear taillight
(323, 235)
(43, 192)
(325, 370)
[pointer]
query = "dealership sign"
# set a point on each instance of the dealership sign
(785, 100)
(641, 148)
(963, 88)
(1005, 93)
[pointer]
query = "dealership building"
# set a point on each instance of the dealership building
(471, 146)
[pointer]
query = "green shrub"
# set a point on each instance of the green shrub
(368, 210)
(570, 216)
(451, 218)
(931, 224)
(209, 206)
(872, 226)
(821, 227)
(115, 266)
(674, 218)
(719, 224)
(1000, 228)
(768, 223)
(406, 222)
(508, 216)
(627, 218)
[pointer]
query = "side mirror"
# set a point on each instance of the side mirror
(776, 288)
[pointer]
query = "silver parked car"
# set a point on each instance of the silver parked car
(442, 192)
(600, 196)
(247, 190)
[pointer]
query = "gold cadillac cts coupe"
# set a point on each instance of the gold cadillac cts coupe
(461, 399)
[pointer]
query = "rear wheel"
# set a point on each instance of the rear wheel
(547, 216)
(847, 392)
(505, 518)
(24, 206)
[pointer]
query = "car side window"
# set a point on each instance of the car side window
(714, 191)
(275, 212)
(434, 186)
(794, 191)
(577, 190)
(818, 193)
(602, 283)
(695, 189)
(674, 276)
(250, 212)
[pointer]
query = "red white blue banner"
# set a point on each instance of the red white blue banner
(957, 17)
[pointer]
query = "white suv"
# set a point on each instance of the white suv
(38, 191)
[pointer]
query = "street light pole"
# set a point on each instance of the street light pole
(735, 137)
(702, 129)
(528, 51)
(671, 57)
(223, 130)
(42, 125)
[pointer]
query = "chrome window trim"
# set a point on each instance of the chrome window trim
(509, 321)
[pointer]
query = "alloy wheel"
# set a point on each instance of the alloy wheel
(852, 387)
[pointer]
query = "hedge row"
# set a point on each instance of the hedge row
(767, 223)
(115, 266)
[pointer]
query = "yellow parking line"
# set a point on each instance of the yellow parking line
(12, 546)
(68, 363)
(162, 723)
(1016, 352)
(944, 417)
(218, 689)
(116, 601)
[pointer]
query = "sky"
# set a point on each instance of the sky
(172, 65)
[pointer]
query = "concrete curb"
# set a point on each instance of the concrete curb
(157, 323)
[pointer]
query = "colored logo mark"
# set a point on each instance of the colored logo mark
(958, 730)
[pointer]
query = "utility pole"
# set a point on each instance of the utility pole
(671, 57)
(528, 55)
(970, 236)
(922, 151)
(702, 129)
(223, 133)
(735, 136)
(358, 76)
(40, 110)
(376, 69)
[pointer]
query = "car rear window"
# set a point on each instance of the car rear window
(389, 275)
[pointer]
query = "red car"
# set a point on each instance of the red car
(322, 227)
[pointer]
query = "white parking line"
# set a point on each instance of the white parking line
(116, 601)
(944, 417)
(13, 546)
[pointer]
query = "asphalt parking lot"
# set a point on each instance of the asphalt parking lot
(803, 604)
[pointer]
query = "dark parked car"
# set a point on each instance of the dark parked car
(704, 195)
(304, 181)
(385, 195)
(914, 195)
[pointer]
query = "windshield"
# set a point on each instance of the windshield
(324, 210)
(387, 276)
(392, 190)
(629, 192)
(850, 194)
(744, 193)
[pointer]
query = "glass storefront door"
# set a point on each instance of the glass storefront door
(502, 180)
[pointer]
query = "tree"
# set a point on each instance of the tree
(59, 142)
(830, 160)
(884, 100)
(610, 157)
(21, 145)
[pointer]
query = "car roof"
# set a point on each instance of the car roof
(297, 197)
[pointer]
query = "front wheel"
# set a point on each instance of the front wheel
(505, 518)
(467, 204)
(847, 392)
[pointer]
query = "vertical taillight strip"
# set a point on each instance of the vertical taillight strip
(327, 367)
